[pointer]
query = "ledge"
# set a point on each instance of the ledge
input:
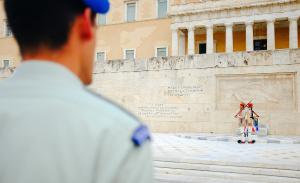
(217, 60)
(218, 5)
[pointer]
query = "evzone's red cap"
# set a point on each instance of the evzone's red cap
(250, 105)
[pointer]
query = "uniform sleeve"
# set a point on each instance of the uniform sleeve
(119, 161)
(137, 166)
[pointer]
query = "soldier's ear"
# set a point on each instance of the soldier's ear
(86, 25)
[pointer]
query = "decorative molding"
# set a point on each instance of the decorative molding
(248, 14)
(293, 18)
(130, 1)
(236, 20)
(218, 5)
(228, 24)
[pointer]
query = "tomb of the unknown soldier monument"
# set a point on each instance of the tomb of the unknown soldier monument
(201, 93)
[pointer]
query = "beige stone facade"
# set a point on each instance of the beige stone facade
(144, 35)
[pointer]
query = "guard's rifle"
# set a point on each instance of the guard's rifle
(245, 106)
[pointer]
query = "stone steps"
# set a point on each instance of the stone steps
(226, 138)
(209, 177)
(173, 159)
(176, 172)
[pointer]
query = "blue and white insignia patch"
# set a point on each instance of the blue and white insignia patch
(140, 135)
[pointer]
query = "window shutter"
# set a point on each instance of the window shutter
(131, 8)
(129, 54)
(162, 8)
(161, 52)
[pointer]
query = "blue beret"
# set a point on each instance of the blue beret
(98, 6)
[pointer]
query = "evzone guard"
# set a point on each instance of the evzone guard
(248, 122)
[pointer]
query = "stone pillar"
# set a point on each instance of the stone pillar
(229, 38)
(209, 39)
(249, 36)
(293, 32)
(181, 49)
(271, 34)
(174, 42)
(191, 41)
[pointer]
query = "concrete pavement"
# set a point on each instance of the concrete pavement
(180, 159)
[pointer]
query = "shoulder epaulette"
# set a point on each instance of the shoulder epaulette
(140, 135)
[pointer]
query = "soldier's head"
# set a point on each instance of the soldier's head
(58, 30)
(242, 105)
(250, 105)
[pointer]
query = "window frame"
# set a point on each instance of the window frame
(205, 52)
(7, 32)
(136, 11)
(3, 63)
(202, 42)
(167, 50)
(99, 51)
(128, 49)
(258, 38)
(98, 19)
(254, 46)
(157, 9)
(197, 51)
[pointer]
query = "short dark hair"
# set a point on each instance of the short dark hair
(46, 23)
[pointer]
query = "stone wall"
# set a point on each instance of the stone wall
(201, 93)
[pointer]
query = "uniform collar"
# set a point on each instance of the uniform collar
(47, 73)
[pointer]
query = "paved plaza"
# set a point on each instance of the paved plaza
(179, 159)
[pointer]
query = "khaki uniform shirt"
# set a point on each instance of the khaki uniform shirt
(52, 130)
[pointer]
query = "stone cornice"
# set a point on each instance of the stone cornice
(259, 14)
(219, 60)
(218, 5)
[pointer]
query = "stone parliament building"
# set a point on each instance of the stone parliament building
(185, 65)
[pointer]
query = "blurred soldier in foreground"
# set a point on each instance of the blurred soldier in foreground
(52, 129)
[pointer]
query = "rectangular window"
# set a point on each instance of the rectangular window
(6, 64)
(100, 56)
(101, 20)
(202, 48)
(129, 54)
(260, 44)
(8, 31)
(161, 52)
(131, 11)
(162, 8)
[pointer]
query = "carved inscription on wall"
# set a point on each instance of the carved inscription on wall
(174, 112)
(183, 91)
(159, 111)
